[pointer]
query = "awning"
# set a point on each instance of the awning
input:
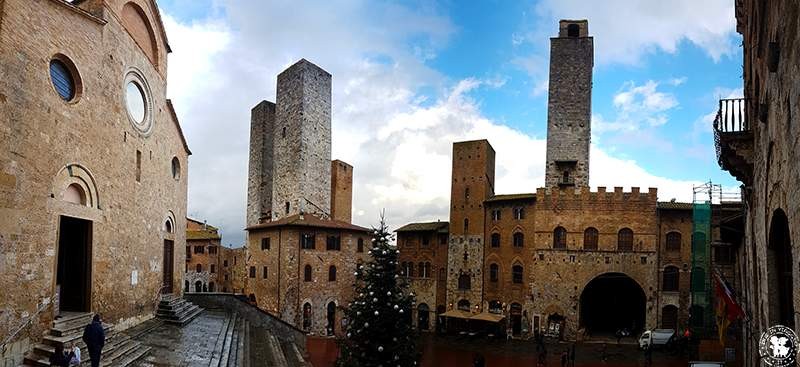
(458, 314)
(487, 316)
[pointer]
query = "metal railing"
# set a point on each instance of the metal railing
(732, 116)
(25, 323)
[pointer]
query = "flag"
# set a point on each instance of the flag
(727, 308)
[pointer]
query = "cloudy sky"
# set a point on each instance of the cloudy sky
(410, 78)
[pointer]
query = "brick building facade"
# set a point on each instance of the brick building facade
(210, 266)
(302, 250)
(93, 165)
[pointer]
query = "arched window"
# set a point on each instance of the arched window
(671, 279)
(464, 282)
(519, 239)
(75, 194)
(516, 274)
(494, 273)
(199, 268)
(673, 241)
(427, 270)
(463, 305)
(360, 245)
(332, 274)
(573, 30)
(560, 238)
(466, 224)
(590, 236)
(421, 267)
(307, 316)
(168, 226)
(625, 240)
(307, 273)
(495, 239)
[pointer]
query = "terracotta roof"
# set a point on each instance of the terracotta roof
(674, 205)
(308, 220)
(202, 235)
(208, 226)
(425, 227)
(530, 196)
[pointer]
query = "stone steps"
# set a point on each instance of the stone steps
(175, 310)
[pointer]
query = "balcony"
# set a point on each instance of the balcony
(733, 138)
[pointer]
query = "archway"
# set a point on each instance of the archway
(423, 317)
(779, 271)
(198, 286)
(331, 317)
(307, 316)
(610, 302)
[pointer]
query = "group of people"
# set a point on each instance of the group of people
(93, 335)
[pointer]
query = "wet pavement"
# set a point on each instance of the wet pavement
(452, 352)
(191, 345)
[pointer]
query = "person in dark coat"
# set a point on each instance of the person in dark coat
(95, 337)
(59, 359)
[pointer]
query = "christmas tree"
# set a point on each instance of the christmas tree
(379, 330)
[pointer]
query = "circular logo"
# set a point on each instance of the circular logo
(778, 346)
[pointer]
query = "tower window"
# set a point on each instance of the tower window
(466, 224)
(138, 166)
(516, 274)
(360, 245)
(287, 208)
(264, 272)
(495, 240)
(573, 30)
(283, 133)
(519, 239)
(519, 213)
(265, 245)
(466, 194)
(565, 177)
(252, 272)
(307, 241)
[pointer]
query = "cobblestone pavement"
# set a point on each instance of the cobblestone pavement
(191, 345)
(452, 352)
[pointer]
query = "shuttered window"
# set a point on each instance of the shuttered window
(62, 80)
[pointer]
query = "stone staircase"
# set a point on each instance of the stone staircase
(233, 347)
(119, 350)
(175, 310)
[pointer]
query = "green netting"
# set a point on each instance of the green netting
(701, 264)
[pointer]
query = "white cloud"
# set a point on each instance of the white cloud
(637, 107)
(398, 140)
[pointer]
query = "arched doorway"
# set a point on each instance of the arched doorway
(669, 317)
(307, 316)
(516, 319)
(610, 302)
(779, 268)
(331, 318)
(198, 286)
(423, 317)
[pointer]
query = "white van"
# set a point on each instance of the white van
(655, 338)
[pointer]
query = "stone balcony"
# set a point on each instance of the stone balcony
(733, 138)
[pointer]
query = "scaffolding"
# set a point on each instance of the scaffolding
(702, 312)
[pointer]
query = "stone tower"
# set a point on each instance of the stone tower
(302, 142)
(259, 182)
(472, 183)
(569, 105)
(341, 191)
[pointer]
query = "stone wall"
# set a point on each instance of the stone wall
(425, 247)
(675, 221)
(341, 191)
(89, 141)
(302, 142)
(569, 106)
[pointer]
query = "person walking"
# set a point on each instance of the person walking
(95, 337)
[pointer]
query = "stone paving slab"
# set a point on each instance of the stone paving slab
(190, 345)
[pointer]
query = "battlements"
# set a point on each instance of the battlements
(618, 195)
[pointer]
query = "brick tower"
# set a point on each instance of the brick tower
(569, 105)
(302, 142)
(472, 183)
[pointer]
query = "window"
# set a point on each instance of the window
(463, 305)
(360, 245)
(134, 98)
(560, 238)
(519, 239)
(442, 274)
(466, 194)
(264, 272)
(188, 252)
(138, 102)
(334, 243)
(138, 166)
(287, 208)
(426, 240)
(176, 168)
(283, 132)
(565, 177)
(464, 282)
(625, 240)
(519, 213)
(466, 224)
(225, 263)
(516, 274)
(307, 241)
(265, 245)
(199, 249)
(252, 272)
(573, 30)
(307, 273)
(671, 279)
(421, 267)
(494, 273)
(442, 239)
(199, 268)
(673, 241)
(496, 215)
(590, 236)
(62, 79)
(332, 274)
(495, 240)
(213, 268)
(212, 250)
(427, 270)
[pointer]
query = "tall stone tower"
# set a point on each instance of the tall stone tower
(472, 183)
(302, 142)
(341, 191)
(259, 181)
(569, 105)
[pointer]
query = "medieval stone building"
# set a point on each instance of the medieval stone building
(210, 266)
(756, 139)
(563, 260)
(302, 250)
(93, 166)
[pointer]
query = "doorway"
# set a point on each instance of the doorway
(74, 269)
(516, 319)
(168, 266)
(423, 317)
(331, 317)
